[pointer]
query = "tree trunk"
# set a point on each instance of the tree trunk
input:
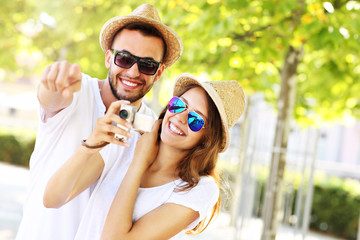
(273, 195)
(238, 176)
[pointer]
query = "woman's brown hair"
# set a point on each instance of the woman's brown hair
(202, 159)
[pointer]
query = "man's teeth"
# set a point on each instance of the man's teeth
(175, 130)
(130, 84)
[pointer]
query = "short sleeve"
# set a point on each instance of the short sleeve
(201, 198)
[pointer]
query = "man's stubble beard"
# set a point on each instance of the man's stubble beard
(120, 96)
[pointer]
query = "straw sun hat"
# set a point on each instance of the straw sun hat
(228, 96)
(145, 13)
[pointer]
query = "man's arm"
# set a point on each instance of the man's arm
(58, 83)
(85, 166)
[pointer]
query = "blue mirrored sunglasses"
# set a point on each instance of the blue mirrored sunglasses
(195, 121)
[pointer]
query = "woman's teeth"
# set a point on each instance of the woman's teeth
(175, 129)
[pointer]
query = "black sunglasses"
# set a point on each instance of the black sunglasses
(124, 59)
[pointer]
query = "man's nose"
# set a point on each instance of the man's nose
(133, 71)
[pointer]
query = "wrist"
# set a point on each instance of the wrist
(139, 167)
(91, 148)
(87, 151)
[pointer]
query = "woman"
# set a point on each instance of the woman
(168, 183)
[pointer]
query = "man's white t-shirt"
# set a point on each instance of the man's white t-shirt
(117, 161)
(57, 139)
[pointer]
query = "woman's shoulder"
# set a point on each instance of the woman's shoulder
(207, 180)
(201, 198)
(206, 185)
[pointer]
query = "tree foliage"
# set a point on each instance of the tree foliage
(229, 39)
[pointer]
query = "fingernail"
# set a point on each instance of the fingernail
(125, 128)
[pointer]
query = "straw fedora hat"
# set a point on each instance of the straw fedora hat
(145, 13)
(228, 96)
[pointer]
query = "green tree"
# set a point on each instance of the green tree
(229, 39)
(15, 16)
(249, 40)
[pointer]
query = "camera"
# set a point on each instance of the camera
(140, 122)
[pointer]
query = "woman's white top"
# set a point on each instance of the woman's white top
(117, 159)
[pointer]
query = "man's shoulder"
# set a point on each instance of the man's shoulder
(87, 79)
(145, 109)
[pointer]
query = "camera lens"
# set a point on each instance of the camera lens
(124, 114)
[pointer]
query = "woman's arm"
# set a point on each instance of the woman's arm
(161, 223)
(86, 165)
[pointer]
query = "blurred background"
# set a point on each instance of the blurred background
(293, 168)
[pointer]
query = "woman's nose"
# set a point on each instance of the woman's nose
(182, 116)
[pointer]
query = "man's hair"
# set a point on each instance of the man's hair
(147, 30)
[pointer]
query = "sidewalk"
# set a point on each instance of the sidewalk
(220, 230)
(12, 196)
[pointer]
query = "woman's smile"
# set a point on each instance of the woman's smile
(173, 128)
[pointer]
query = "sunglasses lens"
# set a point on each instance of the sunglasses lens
(196, 122)
(176, 105)
(148, 67)
(123, 59)
(126, 60)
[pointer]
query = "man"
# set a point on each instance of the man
(138, 48)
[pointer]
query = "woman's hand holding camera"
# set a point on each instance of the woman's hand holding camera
(147, 146)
